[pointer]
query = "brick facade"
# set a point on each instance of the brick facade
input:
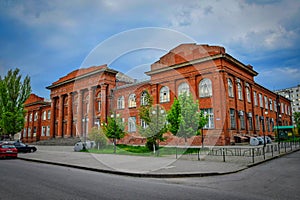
(224, 87)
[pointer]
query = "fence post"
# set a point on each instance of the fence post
(252, 155)
(285, 147)
(199, 153)
(272, 149)
(223, 151)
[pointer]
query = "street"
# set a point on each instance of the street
(277, 179)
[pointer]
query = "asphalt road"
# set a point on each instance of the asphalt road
(277, 179)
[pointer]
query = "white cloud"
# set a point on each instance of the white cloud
(280, 77)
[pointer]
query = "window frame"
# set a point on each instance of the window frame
(205, 88)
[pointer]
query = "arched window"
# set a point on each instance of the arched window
(132, 101)
(240, 92)
(144, 100)
(121, 102)
(183, 88)
(164, 94)
(230, 88)
(205, 88)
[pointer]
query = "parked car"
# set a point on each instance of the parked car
(8, 150)
(24, 148)
(260, 140)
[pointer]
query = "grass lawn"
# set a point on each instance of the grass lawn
(142, 150)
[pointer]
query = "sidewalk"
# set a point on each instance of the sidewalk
(138, 166)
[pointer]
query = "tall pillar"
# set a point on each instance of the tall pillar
(52, 120)
(103, 102)
(91, 109)
(79, 113)
(60, 116)
(70, 116)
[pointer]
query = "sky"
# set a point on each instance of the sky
(49, 39)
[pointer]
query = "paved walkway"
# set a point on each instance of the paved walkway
(139, 166)
(130, 165)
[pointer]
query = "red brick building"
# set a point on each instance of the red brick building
(224, 87)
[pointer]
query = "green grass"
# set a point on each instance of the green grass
(142, 150)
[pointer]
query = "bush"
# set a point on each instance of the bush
(98, 136)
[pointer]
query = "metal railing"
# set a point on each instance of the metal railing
(238, 154)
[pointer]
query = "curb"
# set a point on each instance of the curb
(275, 157)
(156, 175)
(132, 174)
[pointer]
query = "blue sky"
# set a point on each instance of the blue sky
(48, 39)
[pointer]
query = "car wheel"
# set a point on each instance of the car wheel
(32, 150)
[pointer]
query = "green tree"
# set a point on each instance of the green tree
(173, 117)
(98, 136)
(155, 127)
(13, 94)
(185, 119)
(114, 129)
(296, 116)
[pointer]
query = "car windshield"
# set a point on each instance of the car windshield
(20, 144)
(8, 146)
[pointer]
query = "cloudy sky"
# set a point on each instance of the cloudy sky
(48, 39)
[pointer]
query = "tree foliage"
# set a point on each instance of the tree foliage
(13, 94)
(185, 119)
(98, 136)
(114, 128)
(155, 119)
(296, 116)
(155, 128)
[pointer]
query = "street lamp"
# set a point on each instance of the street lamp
(202, 132)
(114, 116)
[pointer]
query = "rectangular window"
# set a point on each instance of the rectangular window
(266, 103)
(271, 104)
(29, 132)
(275, 106)
(131, 124)
(48, 131)
(257, 124)
(268, 124)
(261, 104)
(44, 115)
(250, 123)
(49, 114)
(242, 119)
(255, 98)
(43, 131)
(232, 119)
(143, 123)
(24, 132)
(34, 131)
(210, 113)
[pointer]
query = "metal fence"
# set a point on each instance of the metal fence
(238, 154)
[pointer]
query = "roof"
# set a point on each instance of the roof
(81, 73)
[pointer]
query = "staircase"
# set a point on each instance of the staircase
(58, 142)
